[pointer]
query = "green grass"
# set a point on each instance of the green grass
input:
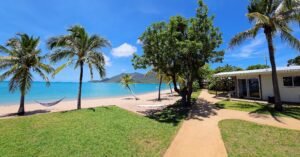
(246, 139)
(252, 107)
(196, 94)
(104, 131)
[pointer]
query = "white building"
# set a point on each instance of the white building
(257, 84)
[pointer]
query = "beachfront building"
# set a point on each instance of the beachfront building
(257, 84)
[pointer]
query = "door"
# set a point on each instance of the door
(242, 88)
(253, 88)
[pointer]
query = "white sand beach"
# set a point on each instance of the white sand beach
(145, 102)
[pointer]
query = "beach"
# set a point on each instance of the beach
(146, 101)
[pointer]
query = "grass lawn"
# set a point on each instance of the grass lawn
(289, 110)
(243, 138)
(196, 94)
(103, 131)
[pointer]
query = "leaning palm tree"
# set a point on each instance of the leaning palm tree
(22, 59)
(79, 48)
(126, 81)
(273, 17)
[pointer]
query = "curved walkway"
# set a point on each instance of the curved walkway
(200, 134)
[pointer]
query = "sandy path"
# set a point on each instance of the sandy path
(200, 135)
(126, 102)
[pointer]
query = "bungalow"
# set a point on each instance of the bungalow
(257, 84)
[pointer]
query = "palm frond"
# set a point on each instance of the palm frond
(293, 41)
(239, 38)
(42, 75)
(260, 18)
(60, 68)
(8, 73)
(60, 54)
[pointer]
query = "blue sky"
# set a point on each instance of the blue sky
(123, 21)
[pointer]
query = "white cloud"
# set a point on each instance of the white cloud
(107, 61)
(254, 47)
(124, 50)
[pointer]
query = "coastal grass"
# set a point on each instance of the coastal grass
(292, 111)
(243, 138)
(103, 131)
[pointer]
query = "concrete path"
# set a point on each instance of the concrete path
(200, 136)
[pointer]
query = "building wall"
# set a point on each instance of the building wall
(288, 94)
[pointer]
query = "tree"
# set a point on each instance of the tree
(225, 83)
(126, 81)
(178, 48)
(295, 61)
(257, 66)
(22, 59)
(79, 48)
(160, 76)
(204, 74)
(227, 68)
(273, 17)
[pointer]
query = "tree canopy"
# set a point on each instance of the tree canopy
(257, 66)
(180, 46)
(295, 61)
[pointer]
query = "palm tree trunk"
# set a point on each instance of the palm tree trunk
(80, 86)
(22, 105)
(278, 103)
(136, 98)
(170, 88)
(159, 88)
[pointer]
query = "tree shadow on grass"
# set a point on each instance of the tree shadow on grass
(177, 112)
(289, 111)
(29, 113)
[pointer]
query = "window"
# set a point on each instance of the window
(288, 81)
(292, 81)
(297, 81)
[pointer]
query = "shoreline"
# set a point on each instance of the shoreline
(126, 102)
(82, 99)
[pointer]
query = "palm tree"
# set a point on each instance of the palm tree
(126, 81)
(22, 59)
(273, 17)
(79, 48)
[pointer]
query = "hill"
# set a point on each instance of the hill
(137, 78)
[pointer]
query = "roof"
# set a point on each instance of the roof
(259, 71)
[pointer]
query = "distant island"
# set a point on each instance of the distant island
(137, 78)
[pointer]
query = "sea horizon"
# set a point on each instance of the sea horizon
(69, 91)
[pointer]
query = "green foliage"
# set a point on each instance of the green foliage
(295, 61)
(79, 48)
(178, 48)
(22, 58)
(292, 111)
(224, 83)
(103, 131)
(243, 138)
(274, 17)
(227, 68)
(258, 66)
(126, 80)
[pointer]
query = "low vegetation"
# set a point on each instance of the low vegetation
(104, 131)
(252, 107)
(243, 138)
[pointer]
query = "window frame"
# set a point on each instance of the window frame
(293, 81)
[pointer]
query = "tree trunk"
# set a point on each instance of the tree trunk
(22, 105)
(278, 103)
(80, 86)
(159, 88)
(136, 98)
(170, 88)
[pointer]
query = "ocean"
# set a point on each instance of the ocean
(69, 90)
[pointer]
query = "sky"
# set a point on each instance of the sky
(123, 21)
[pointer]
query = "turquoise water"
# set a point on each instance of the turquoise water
(68, 90)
